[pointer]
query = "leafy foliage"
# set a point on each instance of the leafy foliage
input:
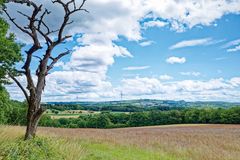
(11, 112)
(10, 52)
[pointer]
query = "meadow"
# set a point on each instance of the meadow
(170, 142)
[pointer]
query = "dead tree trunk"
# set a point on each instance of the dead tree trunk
(33, 118)
(38, 27)
(32, 122)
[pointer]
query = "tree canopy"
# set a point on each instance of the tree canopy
(10, 51)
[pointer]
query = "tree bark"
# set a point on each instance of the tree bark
(31, 129)
(33, 118)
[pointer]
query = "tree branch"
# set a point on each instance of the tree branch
(19, 85)
(38, 28)
(23, 14)
(55, 60)
(40, 59)
(68, 13)
(13, 21)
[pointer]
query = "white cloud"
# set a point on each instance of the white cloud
(214, 89)
(95, 58)
(156, 23)
(194, 86)
(146, 43)
(186, 14)
(236, 48)
(231, 43)
(173, 60)
(235, 81)
(190, 43)
(133, 68)
(232, 46)
(165, 77)
(76, 86)
(192, 90)
(196, 74)
(106, 15)
(141, 86)
(59, 64)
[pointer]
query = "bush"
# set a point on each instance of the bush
(36, 149)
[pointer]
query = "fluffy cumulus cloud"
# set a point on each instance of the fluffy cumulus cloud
(106, 15)
(173, 60)
(95, 58)
(191, 12)
(213, 89)
(235, 81)
(76, 86)
(156, 23)
(85, 74)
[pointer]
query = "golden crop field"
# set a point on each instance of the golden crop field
(173, 142)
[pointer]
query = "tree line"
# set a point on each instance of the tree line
(14, 113)
(150, 118)
(113, 108)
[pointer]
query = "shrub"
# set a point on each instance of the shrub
(35, 149)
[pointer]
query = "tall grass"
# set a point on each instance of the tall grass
(12, 146)
(181, 142)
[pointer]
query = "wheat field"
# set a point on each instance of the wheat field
(173, 142)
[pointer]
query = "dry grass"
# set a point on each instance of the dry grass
(193, 142)
(198, 142)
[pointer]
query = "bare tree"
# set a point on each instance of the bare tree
(37, 28)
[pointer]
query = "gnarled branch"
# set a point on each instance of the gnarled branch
(19, 85)
(55, 60)
(68, 13)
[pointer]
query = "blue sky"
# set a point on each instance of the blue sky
(179, 50)
(210, 60)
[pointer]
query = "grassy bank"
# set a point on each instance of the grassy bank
(180, 142)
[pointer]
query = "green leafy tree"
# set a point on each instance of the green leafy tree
(204, 116)
(103, 121)
(4, 104)
(139, 119)
(192, 116)
(10, 54)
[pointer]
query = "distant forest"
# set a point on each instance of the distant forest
(150, 118)
(14, 113)
(136, 105)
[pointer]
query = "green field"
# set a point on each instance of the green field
(68, 113)
(72, 113)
